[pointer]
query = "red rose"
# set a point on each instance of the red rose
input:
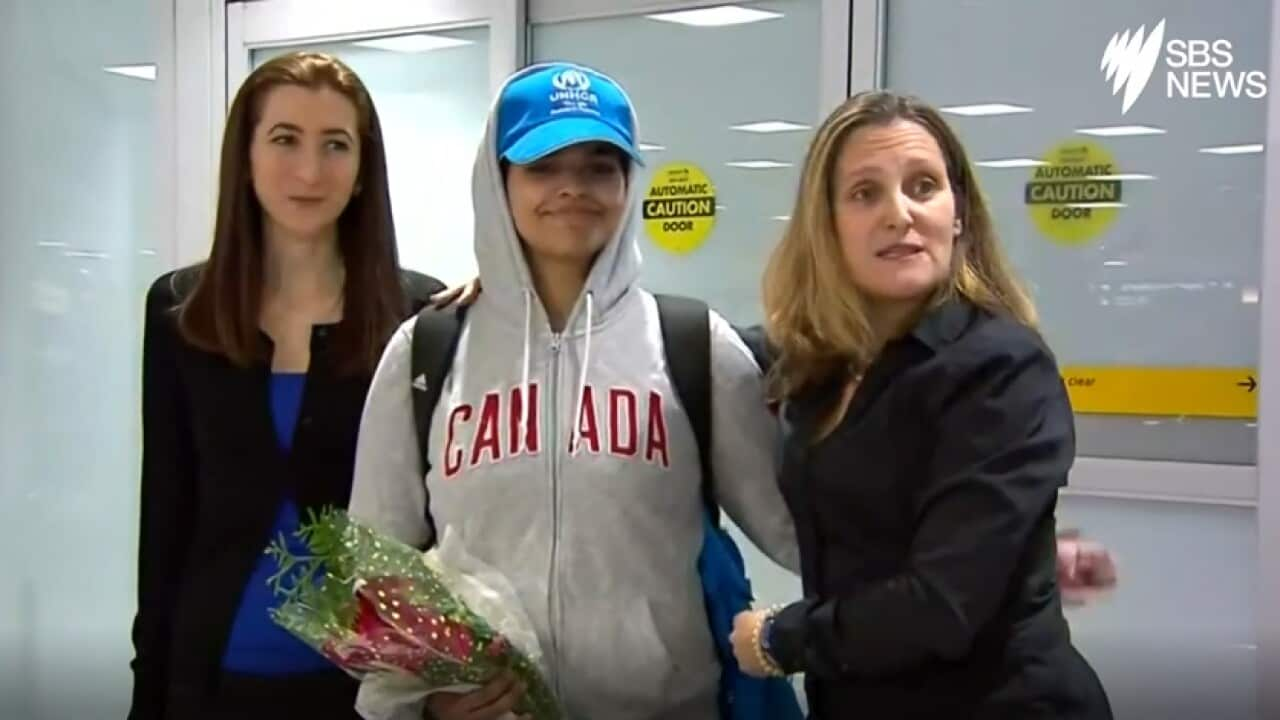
(387, 599)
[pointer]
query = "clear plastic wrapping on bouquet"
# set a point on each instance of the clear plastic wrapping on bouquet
(408, 623)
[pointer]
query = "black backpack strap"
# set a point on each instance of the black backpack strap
(435, 341)
(753, 336)
(686, 342)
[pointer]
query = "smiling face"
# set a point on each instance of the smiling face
(567, 205)
(305, 159)
(894, 212)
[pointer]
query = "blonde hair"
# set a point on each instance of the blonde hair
(814, 316)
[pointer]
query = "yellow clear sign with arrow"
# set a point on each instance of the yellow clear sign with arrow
(1192, 392)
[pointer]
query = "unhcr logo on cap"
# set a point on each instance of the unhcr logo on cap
(572, 92)
(571, 80)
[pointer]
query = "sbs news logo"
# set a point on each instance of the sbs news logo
(1195, 69)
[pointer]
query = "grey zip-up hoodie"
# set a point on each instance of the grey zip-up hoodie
(598, 531)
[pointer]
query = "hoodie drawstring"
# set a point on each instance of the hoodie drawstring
(524, 373)
(582, 378)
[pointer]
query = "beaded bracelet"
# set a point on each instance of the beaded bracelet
(757, 642)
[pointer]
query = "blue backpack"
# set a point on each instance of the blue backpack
(726, 590)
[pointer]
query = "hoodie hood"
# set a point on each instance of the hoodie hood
(504, 272)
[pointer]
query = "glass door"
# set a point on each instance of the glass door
(431, 69)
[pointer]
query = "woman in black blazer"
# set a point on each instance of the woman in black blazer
(928, 435)
(256, 364)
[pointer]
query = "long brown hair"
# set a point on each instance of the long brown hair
(814, 316)
(220, 315)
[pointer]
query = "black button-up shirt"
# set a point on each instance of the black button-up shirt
(213, 481)
(926, 528)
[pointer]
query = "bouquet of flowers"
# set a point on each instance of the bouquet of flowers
(419, 622)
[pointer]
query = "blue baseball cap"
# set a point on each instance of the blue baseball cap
(550, 107)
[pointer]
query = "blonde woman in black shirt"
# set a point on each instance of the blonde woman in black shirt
(929, 434)
(256, 364)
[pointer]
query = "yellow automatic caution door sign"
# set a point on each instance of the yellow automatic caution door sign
(1191, 392)
(680, 207)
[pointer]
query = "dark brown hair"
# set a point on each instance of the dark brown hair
(221, 313)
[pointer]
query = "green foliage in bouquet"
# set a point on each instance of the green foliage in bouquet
(373, 604)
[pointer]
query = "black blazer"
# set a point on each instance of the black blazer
(213, 480)
(926, 528)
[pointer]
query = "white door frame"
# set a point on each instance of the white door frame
(1269, 410)
(196, 93)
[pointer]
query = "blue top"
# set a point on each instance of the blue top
(257, 646)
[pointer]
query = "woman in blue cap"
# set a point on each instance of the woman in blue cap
(559, 449)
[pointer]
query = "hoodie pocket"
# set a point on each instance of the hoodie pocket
(692, 669)
(646, 656)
